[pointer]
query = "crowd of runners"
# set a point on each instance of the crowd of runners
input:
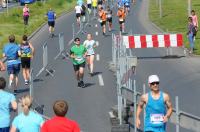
(102, 10)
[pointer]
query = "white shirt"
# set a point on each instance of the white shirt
(89, 1)
(78, 9)
(89, 44)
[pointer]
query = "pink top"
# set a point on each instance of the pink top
(26, 11)
(195, 20)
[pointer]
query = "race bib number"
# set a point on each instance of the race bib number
(109, 16)
(100, 20)
(156, 118)
(121, 19)
(79, 59)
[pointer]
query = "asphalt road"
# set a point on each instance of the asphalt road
(90, 106)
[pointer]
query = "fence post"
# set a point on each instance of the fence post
(177, 114)
(31, 83)
(144, 92)
(119, 99)
(135, 104)
(73, 31)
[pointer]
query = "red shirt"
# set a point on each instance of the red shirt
(60, 124)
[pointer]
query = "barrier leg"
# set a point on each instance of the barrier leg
(177, 115)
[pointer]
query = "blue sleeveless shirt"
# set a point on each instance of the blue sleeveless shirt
(155, 111)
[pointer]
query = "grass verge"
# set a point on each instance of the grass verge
(174, 18)
(12, 23)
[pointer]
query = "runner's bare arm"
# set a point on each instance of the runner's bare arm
(139, 110)
(169, 107)
(2, 66)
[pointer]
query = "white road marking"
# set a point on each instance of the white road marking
(101, 83)
(97, 43)
(96, 33)
(97, 57)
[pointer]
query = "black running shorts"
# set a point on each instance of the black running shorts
(77, 67)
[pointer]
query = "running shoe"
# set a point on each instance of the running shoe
(79, 84)
(26, 82)
(82, 84)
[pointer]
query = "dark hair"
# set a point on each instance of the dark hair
(11, 38)
(24, 38)
(2, 83)
(192, 11)
(76, 39)
(60, 108)
(190, 18)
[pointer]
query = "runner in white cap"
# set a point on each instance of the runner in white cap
(156, 113)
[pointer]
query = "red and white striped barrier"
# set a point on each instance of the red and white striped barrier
(153, 41)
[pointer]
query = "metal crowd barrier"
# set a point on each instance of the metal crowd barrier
(45, 61)
(61, 46)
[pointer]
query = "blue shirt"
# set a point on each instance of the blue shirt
(51, 16)
(155, 111)
(5, 102)
(11, 52)
(80, 2)
(28, 123)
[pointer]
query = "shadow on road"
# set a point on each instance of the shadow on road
(162, 57)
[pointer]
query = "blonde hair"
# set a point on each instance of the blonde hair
(26, 102)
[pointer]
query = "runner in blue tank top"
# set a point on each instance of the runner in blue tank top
(158, 107)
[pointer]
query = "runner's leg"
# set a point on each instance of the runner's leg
(91, 64)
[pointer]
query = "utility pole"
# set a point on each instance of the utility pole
(160, 8)
(189, 7)
(7, 6)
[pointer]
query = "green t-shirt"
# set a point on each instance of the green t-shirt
(78, 51)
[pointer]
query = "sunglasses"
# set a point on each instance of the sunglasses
(153, 83)
(77, 40)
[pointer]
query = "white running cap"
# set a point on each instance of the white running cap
(153, 78)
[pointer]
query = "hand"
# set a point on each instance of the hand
(138, 123)
(165, 119)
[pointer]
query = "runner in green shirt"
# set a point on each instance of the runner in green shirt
(78, 53)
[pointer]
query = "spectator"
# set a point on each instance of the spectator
(156, 103)
(27, 121)
(60, 123)
(2, 66)
(190, 34)
(26, 14)
(6, 100)
(195, 22)
(12, 52)
(27, 52)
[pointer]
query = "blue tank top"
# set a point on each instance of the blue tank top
(25, 50)
(155, 111)
(51, 16)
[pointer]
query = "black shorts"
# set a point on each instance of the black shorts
(89, 6)
(120, 22)
(109, 19)
(51, 23)
(103, 23)
(78, 15)
(26, 62)
(77, 67)
(83, 13)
